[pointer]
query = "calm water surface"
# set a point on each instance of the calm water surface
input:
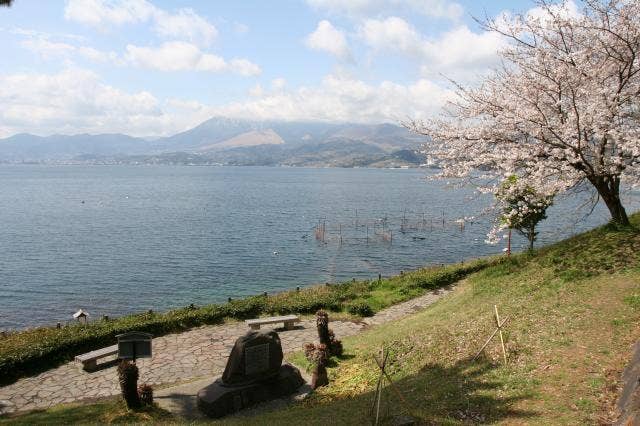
(121, 239)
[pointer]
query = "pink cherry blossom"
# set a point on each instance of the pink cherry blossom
(562, 110)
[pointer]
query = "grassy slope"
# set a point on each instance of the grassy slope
(574, 310)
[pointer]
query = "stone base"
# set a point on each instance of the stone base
(217, 400)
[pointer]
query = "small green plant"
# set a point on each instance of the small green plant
(573, 275)
(633, 301)
(360, 308)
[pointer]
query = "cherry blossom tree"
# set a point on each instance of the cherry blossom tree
(562, 110)
(521, 207)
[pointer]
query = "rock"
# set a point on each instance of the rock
(256, 356)
(218, 399)
(628, 406)
(254, 374)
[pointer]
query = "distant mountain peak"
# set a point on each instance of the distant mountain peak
(275, 139)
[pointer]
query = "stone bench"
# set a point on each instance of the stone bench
(288, 320)
(90, 359)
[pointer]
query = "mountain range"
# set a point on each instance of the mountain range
(228, 141)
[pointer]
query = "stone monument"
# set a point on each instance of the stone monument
(254, 373)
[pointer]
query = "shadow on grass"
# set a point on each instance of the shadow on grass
(468, 391)
(464, 393)
(183, 405)
(112, 410)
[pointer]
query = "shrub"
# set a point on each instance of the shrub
(360, 308)
(145, 393)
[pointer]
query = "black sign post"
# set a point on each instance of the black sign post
(134, 345)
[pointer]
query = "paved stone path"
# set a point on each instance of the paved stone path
(404, 309)
(177, 358)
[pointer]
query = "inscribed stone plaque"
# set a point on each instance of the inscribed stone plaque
(256, 359)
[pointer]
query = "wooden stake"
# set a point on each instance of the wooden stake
(374, 414)
(504, 351)
(378, 395)
(381, 386)
(491, 337)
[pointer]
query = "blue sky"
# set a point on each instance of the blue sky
(151, 67)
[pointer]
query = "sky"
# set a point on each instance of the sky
(154, 67)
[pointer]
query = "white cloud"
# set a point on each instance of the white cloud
(183, 56)
(344, 98)
(100, 12)
(457, 52)
(48, 49)
(256, 91)
(30, 33)
(74, 101)
(185, 24)
(174, 56)
(461, 48)
(278, 83)
(359, 8)
(567, 9)
(244, 67)
(78, 101)
(98, 55)
(328, 38)
(392, 34)
(170, 56)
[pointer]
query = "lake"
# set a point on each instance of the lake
(120, 239)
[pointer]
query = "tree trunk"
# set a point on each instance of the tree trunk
(532, 238)
(608, 188)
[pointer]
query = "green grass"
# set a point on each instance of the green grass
(574, 313)
(32, 351)
(574, 310)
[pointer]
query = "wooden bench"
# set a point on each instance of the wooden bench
(90, 359)
(288, 320)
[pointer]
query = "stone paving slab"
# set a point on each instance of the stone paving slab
(178, 358)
